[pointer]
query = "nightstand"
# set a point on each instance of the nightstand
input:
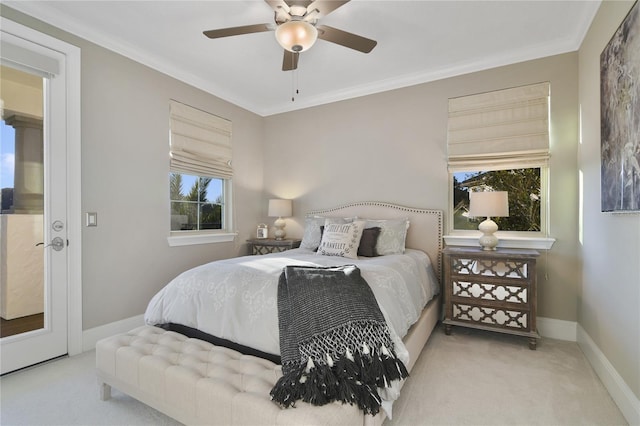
(491, 290)
(271, 245)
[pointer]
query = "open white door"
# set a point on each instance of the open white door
(40, 206)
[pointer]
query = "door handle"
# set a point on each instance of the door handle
(57, 243)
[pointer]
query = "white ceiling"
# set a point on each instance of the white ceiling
(418, 41)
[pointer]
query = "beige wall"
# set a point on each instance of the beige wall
(125, 166)
(392, 147)
(609, 300)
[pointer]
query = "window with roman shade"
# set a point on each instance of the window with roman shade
(200, 142)
(200, 176)
(499, 141)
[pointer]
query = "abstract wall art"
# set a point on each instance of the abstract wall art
(620, 117)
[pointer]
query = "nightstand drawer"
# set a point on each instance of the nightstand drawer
(490, 292)
(496, 317)
(508, 269)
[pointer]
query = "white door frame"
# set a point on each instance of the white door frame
(74, 207)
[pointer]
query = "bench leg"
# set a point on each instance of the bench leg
(105, 391)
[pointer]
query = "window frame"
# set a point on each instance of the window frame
(510, 239)
(208, 236)
(199, 203)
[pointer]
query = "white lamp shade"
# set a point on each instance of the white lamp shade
(489, 204)
(280, 208)
(296, 36)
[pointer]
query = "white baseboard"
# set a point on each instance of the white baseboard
(90, 337)
(623, 396)
(557, 329)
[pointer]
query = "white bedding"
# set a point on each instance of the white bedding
(236, 299)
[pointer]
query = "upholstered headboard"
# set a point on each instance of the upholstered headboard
(425, 229)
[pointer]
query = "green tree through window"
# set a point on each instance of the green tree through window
(523, 186)
(192, 211)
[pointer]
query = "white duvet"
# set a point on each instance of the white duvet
(236, 299)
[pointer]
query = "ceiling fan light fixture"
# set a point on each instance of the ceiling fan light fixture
(296, 35)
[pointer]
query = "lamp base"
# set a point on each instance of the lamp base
(279, 233)
(488, 241)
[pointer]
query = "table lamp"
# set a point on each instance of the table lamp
(488, 204)
(279, 209)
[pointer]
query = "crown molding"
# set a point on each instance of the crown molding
(51, 16)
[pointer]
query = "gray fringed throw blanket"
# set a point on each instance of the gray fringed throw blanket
(334, 342)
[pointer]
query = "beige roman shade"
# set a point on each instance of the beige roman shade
(200, 142)
(502, 129)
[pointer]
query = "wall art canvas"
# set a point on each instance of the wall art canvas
(620, 117)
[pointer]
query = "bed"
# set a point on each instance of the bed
(233, 302)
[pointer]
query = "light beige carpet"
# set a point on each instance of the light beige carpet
(468, 378)
(477, 377)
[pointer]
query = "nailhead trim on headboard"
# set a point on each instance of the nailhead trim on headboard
(354, 209)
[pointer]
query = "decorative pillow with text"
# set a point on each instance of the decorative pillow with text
(312, 236)
(341, 239)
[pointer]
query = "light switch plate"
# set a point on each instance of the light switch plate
(92, 219)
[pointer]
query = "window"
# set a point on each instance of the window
(499, 141)
(197, 202)
(525, 196)
(200, 176)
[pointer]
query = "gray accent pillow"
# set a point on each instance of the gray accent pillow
(368, 242)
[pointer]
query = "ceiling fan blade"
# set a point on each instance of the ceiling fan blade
(346, 39)
(290, 61)
(325, 7)
(233, 31)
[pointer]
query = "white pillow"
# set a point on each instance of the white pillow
(312, 234)
(341, 239)
(393, 235)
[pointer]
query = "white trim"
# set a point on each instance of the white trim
(74, 194)
(621, 393)
(74, 199)
(535, 243)
(91, 336)
(28, 60)
(191, 239)
(557, 329)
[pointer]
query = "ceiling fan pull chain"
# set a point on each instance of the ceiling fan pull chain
(294, 84)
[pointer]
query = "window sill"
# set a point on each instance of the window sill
(536, 243)
(208, 238)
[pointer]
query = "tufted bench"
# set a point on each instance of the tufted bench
(196, 382)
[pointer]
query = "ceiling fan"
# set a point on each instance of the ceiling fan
(297, 30)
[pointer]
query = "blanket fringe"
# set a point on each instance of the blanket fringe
(353, 378)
